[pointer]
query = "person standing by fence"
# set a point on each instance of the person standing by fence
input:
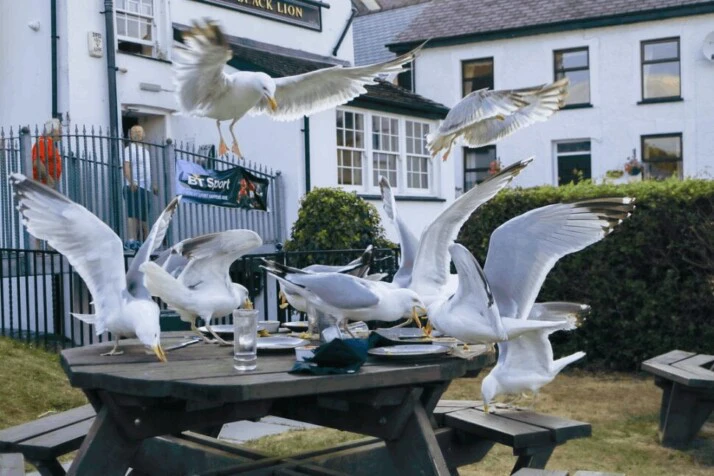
(137, 175)
(46, 159)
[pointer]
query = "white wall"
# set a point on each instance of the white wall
(616, 122)
(25, 76)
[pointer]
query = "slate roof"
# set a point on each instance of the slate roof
(276, 61)
(372, 32)
(386, 5)
(469, 18)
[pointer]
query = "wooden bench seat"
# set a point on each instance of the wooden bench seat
(533, 436)
(687, 383)
(44, 440)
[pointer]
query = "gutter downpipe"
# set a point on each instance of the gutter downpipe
(344, 31)
(55, 39)
(115, 171)
(306, 139)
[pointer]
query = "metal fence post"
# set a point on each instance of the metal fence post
(170, 174)
(278, 208)
(26, 164)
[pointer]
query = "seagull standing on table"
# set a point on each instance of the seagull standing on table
(347, 297)
(204, 89)
(484, 117)
(203, 288)
(122, 304)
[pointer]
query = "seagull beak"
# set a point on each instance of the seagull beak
(159, 351)
(415, 317)
(272, 103)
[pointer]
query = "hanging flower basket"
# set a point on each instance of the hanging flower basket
(633, 167)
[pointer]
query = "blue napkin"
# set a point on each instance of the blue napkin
(339, 356)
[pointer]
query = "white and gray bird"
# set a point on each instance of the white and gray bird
(525, 364)
(484, 117)
(408, 242)
(122, 304)
(203, 287)
(347, 297)
(431, 277)
(204, 89)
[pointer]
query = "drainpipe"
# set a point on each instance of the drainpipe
(115, 175)
(344, 31)
(306, 138)
(55, 39)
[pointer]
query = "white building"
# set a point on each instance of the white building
(56, 60)
(641, 80)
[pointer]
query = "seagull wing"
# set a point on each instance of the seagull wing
(530, 354)
(198, 68)
(134, 277)
(431, 265)
(408, 243)
(210, 256)
(338, 290)
(523, 250)
(542, 103)
(90, 246)
(308, 93)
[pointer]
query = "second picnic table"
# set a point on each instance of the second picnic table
(137, 398)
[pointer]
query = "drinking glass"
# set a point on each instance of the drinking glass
(245, 339)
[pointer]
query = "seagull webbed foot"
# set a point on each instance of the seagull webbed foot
(236, 150)
(222, 148)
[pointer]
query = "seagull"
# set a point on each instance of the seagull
(204, 89)
(430, 276)
(524, 364)
(484, 117)
(408, 242)
(203, 287)
(122, 304)
(347, 297)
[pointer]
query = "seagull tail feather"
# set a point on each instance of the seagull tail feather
(563, 362)
(91, 319)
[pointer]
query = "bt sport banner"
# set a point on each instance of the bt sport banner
(235, 187)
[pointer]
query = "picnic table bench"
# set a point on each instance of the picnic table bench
(687, 383)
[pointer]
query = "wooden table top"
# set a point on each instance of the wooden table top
(687, 368)
(205, 372)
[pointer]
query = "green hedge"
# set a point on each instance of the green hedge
(650, 283)
(333, 219)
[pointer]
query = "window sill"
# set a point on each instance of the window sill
(404, 198)
(577, 106)
(661, 100)
(160, 60)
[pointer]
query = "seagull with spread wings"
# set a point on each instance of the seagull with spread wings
(484, 117)
(204, 89)
(203, 287)
(122, 304)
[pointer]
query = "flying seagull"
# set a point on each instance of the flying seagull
(204, 89)
(203, 287)
(122, 304)
(484, 117)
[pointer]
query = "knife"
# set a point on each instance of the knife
(183, 344)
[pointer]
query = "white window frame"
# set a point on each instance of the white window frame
(556, 155)
(362, 150)
(367, 187)
(152, 18)
(423, 154)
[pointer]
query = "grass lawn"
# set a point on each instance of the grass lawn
(622, 409)
(32, 384)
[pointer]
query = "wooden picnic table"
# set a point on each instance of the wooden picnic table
(137, 398)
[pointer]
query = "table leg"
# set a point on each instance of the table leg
(105, 450)
(417, 451)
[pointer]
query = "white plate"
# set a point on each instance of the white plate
(296, 326)
(409, 351)
(225, 331)
(280, 343)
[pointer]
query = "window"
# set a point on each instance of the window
(660, 69)
(662, 156)
(350, 147)
(405, 79)
(373, 145)
(573, 161)
(476, 165)
(476, 74)
(135, 26)
(418, 159)
(574, 64)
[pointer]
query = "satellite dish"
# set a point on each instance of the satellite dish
(708, 48)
